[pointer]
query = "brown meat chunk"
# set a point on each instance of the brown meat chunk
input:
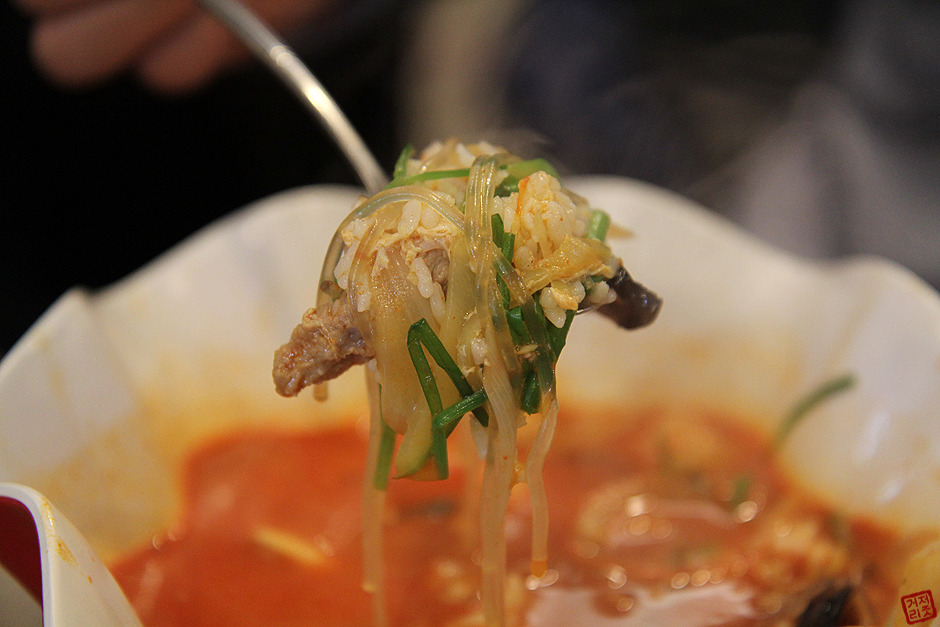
(323, 346)
(438, 262)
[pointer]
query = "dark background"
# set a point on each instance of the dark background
(96, 182)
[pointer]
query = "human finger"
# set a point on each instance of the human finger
(190, 56)
(93, 42)
(203, 47)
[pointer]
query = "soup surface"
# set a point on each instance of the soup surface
(659, 517)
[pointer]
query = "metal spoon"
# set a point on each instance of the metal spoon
(279, 57)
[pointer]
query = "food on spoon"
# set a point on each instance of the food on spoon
(480, 260)
(328, 340)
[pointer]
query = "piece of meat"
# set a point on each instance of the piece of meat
(438, 262)
(323, 346)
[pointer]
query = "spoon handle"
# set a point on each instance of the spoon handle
(279, 57)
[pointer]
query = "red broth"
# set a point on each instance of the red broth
(669, 518)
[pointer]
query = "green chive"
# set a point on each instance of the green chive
(517, 327)
(509, 244)
(506, 242)
(507, 186)
(598, 225)
(543, 324)
(439, 451)
(401, 165)
(383, 467)
(535, 323)
(523, 169)
(742, 487)
(531, 393)
(504, 294)
(810, 402)
(431, 175)
(558, 336)
(423, 368)
(448, 418)
(496, 225)
(515, 172)
(444, 424)
(422, 332)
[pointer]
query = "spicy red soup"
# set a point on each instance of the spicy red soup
(672, 519)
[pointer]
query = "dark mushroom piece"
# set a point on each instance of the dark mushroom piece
(828, 608)
(635, 305)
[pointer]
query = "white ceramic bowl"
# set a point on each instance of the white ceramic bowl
(102, 397)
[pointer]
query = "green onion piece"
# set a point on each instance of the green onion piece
(543, 329)
(431, 175)
(509, 185)
(557, 336)
(504, 241)
(423, 368)
(428, 384)
(504, 294)
(401, 165)
(509, 244)
(383, 467)
(517, 326)
(742, 486)
(515, 172)
(448, 418)
(444, 424)
(439, 451)
(496, 225)
(598, 225)
(523, 169)
(809, 402)
(422, 332)
(531, 393)
(555, 339)
(535, 324)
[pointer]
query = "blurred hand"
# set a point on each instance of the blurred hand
(172, 45)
